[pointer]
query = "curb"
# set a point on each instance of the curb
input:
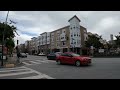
(9, 66)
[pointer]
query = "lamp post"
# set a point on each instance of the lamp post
(3, 37)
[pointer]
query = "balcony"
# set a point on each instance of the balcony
(63, 37)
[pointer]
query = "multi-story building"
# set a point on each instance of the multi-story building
(69, 38)
(36, 42)
(22, 48)
(27, 46)
(33, 45)
(44, 42)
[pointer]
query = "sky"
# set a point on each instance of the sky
(33, 23)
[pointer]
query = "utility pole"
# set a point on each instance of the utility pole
(3, 37)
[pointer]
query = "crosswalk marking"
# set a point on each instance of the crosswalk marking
(22, 71)
(42, 61)
(33, 77)
(2, 69)
(36, 62)
(43, 75)
(11, 74)
(26, 63)
(12, 70)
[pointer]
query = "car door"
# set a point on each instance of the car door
(63, 58)
(69, 59)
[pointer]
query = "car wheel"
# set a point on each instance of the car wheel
(58, 62)
(77, 63)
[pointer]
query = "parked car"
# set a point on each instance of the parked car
(41, 54)
(23, 55)
(72, 58)
(52, 56)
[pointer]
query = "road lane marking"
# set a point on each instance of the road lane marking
(33, 77)
(26, 63)
(12, 74)
(39, 73)
(34, 62)
(13, 70)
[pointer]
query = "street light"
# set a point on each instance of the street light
(3, 37)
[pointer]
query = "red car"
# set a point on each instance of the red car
(72, 58)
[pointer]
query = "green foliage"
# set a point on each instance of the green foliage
(9, 34)
(9, 31)
(117, 41)
(93, 41)
(10, 43)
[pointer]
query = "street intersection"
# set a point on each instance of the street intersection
(38, 67)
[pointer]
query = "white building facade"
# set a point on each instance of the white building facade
(75, 36)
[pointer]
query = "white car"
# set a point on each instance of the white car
(41, 54)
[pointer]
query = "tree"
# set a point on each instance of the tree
(9, 34)
(10, 45)
(117, 41)
(9, 31)
(93, 41)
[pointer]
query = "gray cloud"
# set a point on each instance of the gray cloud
(101, 22)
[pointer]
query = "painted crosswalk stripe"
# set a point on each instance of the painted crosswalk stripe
(41, 74)
(26, 63)
(33, 77)
(41, 61)
(12, 70)
(35, 62)
(23, 71)
(3, 69)
(19, 73)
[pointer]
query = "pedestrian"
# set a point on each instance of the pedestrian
(18, 54)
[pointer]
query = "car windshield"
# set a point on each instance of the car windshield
(58, 53)
(73, 54)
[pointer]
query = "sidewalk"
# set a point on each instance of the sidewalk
(11, 62)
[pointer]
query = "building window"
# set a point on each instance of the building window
(74, 34)
(74, 27)
(64, 31)
(71, 28)
(71, 35)
(63, 43)
(74, 42)
(77, 34)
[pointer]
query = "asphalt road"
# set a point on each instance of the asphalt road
(101, 68)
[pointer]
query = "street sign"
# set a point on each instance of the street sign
(101, 50)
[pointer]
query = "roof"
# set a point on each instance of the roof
(82, 27)
(60, 29)
(74, 17)
(43, 33)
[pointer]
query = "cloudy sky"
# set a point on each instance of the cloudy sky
(32, 23)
